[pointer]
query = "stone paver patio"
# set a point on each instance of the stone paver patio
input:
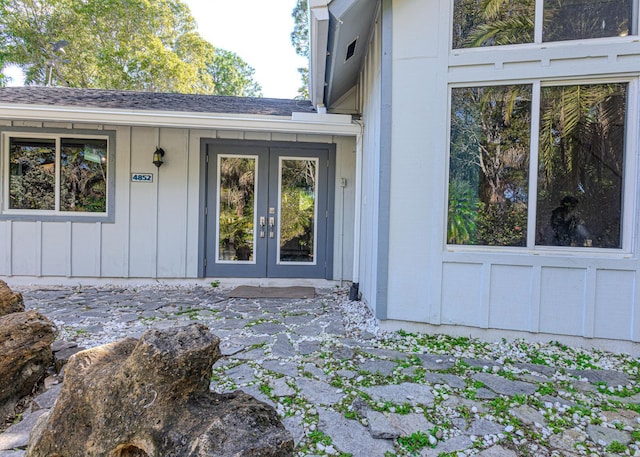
(343, 389)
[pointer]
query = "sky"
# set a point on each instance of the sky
(259, 32)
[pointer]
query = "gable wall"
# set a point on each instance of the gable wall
(480, 290)
(156, 227)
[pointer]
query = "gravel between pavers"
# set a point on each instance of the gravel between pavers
(326, 367)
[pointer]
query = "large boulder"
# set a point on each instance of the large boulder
(151, 398)
(10, 302)
(25, 355)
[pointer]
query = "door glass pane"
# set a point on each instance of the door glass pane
(32, 174)
(489, 165)
(581, 165)
(236, 206)
(83, 179)
(581, 19)
(298, 178)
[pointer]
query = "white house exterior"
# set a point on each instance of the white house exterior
(159, 223)
(412, 68)
(409, 107)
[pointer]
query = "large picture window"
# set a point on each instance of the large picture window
(578, 175)
(492, 23)
(56, 174)
(488, 180)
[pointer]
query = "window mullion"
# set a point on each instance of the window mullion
(538, 22)
(629, 190)
(58, 174)
(533, 165)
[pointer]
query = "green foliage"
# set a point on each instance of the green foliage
(489, 162)
(232, 75)
(492, 22)
(462, 213)
(297, 206)
(502, 224)
(616, 447)
(134, 45)
(300, 42)
(415, 442)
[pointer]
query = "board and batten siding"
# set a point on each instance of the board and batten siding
(486, 292)
(369, 94)
(155, 231)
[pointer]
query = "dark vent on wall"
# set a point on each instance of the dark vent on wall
(351, 49)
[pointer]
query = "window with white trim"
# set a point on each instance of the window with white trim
(502, 22)
(55, 174)
(578, 168)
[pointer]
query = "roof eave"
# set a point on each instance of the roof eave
(310, 123)
(318, 38)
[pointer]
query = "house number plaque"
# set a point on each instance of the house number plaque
(141, 177)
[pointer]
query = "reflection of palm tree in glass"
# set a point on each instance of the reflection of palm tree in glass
(297, 209)
(237, 190)
(488, 184)
(503, 22)
(581, 152)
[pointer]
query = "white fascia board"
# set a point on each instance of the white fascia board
(318, 40)
(314, 124)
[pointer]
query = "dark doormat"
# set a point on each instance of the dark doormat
(272, 292)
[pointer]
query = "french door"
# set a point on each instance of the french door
(267, 210)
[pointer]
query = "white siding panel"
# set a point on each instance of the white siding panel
(283, 137)
(55, 251)
(192, 241)
(143, 205)
(25, 259)
(172, 203)
(230, 135)
(416, 189)
(85, 249)
(462, 294)
(615, 292)
(510, 301)
(115, 236)
(418, 28)
(314, 138)
(562, 301)
(5, 248)
(344, 209)
(258, 136)
(370, 86)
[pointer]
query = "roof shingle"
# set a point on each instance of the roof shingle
(115, 99)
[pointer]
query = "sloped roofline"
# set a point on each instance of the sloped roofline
(170, 110)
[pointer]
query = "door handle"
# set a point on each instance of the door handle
(262, 224)
(272, 223)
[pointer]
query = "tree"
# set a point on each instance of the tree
(232, 75)
(300, 41)
(134, 45)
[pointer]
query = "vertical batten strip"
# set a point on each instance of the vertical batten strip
(635, 313)
(127, 254)
(485, 299)
(98, 258)
(9, 248)
(156, 219)
(590, 302)
(536, 294)
(69, 250)
(38, 243)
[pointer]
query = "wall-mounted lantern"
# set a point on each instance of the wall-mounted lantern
(158, 156)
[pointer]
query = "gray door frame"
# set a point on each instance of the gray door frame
(266, 264)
